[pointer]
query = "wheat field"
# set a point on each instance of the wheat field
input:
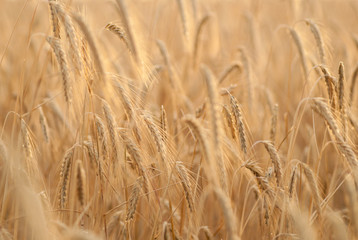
(178, 119)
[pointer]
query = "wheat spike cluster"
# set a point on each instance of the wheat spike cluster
(178, 119)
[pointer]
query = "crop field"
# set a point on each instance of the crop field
(178, 119)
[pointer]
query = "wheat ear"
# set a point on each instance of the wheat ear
(44, 125)
(120, 33)
(81, 182)
(111, 126)
(317, 35)
(216, 124)
(133, 200)
(54, 19)
(125, 18)
(353, 82)
(184, 178)
(92, 45)
(239, 122)
(275, 160)
(341, 101)
(61, 59)
(230, 220)
(300, 49)
(70, 33)
(199, 31)
(312, 182)
(228, 70)
(65, 175)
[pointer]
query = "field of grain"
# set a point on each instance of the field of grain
(178, 119)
